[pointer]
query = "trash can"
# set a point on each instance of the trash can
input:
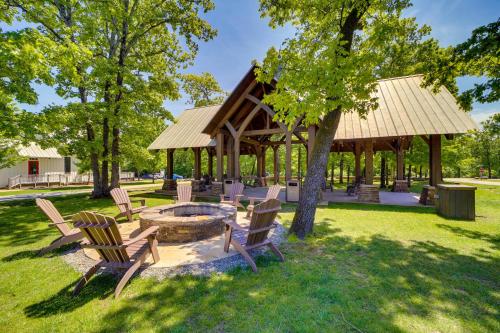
(456, 201)
(227, 185)
(292, 190)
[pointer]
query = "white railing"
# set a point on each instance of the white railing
(14, 181)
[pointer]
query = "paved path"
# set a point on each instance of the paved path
(386, 198)
(473, 181)
(67, 192)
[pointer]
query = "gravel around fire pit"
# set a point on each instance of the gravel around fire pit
(78, 260)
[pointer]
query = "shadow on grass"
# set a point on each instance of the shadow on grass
(494, 240)
(329, 282)
(100, 287)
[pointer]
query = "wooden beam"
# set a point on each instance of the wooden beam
(210, 163)
(449, 136)
(230, 157)
(400, 172)
(265, 108)
(288, 156)
(369, 162)
(263, 132)
(231, 129)
(197, 163)
(220, 155)
(426, 139)
(276, 166)
(436, 176)
(247, 121)
(238, 103)
(170, 163)
(280, 142)
(237, 158)
(357, 160)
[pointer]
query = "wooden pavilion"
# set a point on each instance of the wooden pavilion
(244, 125)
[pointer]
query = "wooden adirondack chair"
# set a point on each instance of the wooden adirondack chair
(103, 236)
(122, 200)
(272, 193)
(68, 235)
(184, 193)
(234, 195)
(244, 239)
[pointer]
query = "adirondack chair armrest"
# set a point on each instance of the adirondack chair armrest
(145, 234)
(67, 217)
(53, 224)
(255, 199)
(238, 197)
(236, 226)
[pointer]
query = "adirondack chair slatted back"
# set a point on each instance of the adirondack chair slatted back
(273, 192)
(184, 192)
(120, 196)
(264, 214)
(102, 232)
(53, 214)
(236, 189)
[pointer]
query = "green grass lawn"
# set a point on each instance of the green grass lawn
(23, 191)
(367, 268)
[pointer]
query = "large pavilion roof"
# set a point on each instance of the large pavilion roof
(405, 108)
(187, 131)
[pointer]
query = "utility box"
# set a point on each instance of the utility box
(456, 201)
(227, 185)
(292, 190)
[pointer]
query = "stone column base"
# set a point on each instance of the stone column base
(368, 193)
(427, 197)
(169, 185)
(400, 185)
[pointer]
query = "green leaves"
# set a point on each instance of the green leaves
(203, 89)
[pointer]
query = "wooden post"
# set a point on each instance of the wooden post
(276, 164)
(369, 162)
(288, 156)
(311, 135)
(236, 160)
(230, 157)
(435, 160)
(210, 162)
(357, 161)
(258, 155)
(263, 160)
(197, 163)
(400, 172)
(220, 156)
(170, 163)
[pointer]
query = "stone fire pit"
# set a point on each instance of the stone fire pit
(188, 221)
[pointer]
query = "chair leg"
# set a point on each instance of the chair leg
(227, 238)
(128, 274)
(153, 246)
(85, 278)
(249, 211)
(245, 255)
(276, 251)
(129, 216)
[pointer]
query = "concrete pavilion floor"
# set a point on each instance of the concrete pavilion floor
(173, 255)
(386, 198)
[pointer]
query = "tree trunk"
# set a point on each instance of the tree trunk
(304, 215)
(341, 167)
(348, 173)
(420, 172)
(382, 171)
(409, 175)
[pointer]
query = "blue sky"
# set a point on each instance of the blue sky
(244, 36)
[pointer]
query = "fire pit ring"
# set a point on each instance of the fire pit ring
(188, 221)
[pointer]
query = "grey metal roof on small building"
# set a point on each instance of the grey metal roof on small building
(35, 151)
(406, 109)
(187, 131)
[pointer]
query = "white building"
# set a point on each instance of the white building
(41, 166)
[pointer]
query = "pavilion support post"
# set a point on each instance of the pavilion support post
(276, 164)
(435, 160)
(400, 171)
(230, 157)
(311, 135)
(170, 163)
(258, 156)
(263, 167)
(369, 162)
(236, 158)
(220, 156)
(210, 162)
(197, 163)
(357, 161)
(288, 156)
